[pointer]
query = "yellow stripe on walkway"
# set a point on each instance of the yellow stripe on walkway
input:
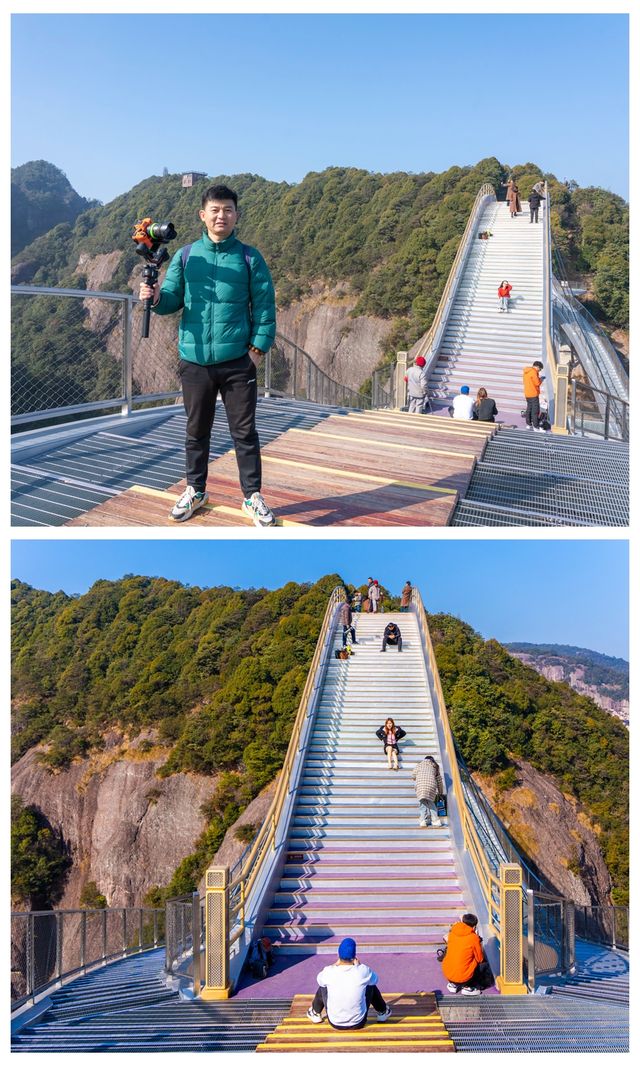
(330, 1046)
(449, 425)
(357, 476)
(384, 443)
(220, 507)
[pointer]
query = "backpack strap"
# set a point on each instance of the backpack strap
(184, 255)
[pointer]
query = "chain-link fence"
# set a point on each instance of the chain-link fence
(47, 946)
(75, 351)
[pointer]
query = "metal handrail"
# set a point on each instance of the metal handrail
(488, 881)
(331, 391)
(255, 858)
(424, 348)
(547, 306)
(134, 923)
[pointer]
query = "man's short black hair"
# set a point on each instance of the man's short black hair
(470, 919)
(219, 192)
(538, 364)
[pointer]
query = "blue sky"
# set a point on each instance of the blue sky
(281, 95)
(505, 589)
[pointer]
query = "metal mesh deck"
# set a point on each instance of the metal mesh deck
(535, 1023)
(470, 513)
(64, 481)
(588, 464)
(551, 495)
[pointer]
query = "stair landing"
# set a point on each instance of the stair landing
(360, 469)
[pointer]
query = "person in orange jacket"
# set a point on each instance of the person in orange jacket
(532, 381)
(464, 963)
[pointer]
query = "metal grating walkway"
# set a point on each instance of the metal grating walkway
(540, 480)
(64, 481)
(535, 1023)
(126, 1006)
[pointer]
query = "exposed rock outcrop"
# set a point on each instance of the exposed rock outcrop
(555, 831)
(125, 828)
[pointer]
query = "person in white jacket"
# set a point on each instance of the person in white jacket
(346, 990)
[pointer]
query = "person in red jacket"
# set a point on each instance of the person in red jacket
(504, 292)
(464, 964)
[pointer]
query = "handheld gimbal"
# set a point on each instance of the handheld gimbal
(150, 238)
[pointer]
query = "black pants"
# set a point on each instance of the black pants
(482, 977)
(392, 643)
(373, 998)
(533, 411)
(237, 385)
(533, 213)
(345, 630)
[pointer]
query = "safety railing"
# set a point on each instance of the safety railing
(228, 898)
(595, 413)
(605, 925)
(184, 917)
(557, 375)
(551, 935)
(49, 946)
(428, 347)
(75, 352)
(503, 891)
(383, 388)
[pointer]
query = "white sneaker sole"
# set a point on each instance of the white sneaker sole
(184, 515)
(249, 513)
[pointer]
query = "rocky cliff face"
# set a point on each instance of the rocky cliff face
(555, 831)
(125, 828)
(555, 669)
(346, 348)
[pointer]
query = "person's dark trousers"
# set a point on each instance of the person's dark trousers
(373, 998)
(482, 977)
(236, 382)
(533, 213)
(532, 416)
(345, 630)
(392, 643)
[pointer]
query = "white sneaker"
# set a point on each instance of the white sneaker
(189, 502)
(313, 1017)
(256, 509)
(382, 1017)
(423, 825)
(471, 992)
(452, 988)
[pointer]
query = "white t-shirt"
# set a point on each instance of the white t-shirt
(463, 406)
(346, 1004)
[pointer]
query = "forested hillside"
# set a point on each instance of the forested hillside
(389, 239)
(500, 708)
(213, 677)
(41, 198)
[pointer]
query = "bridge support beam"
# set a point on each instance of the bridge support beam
(510, 982)
(216, 959)
(401, 385)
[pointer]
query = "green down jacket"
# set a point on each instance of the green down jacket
(227, 303)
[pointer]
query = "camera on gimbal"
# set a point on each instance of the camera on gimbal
(150, 238)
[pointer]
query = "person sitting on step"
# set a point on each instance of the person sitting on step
(390, 734)
(465, 964)
(392, 635)
(346, 990)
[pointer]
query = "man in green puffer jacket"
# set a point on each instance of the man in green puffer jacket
(226, 296)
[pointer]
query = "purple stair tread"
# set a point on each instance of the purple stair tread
(333, 939)
(397, 972)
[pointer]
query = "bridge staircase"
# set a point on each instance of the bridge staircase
(482, 346)
(358, 863)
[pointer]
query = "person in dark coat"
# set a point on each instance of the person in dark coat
(392, 635)
(346, 617)
(513, 197)
(485, 408)
(390, 734)
(534, 204)
(405, 600)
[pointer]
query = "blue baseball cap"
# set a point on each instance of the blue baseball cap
(347, 949)
(464, 389)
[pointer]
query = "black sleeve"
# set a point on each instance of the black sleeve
(380, 733)
(400, 733)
